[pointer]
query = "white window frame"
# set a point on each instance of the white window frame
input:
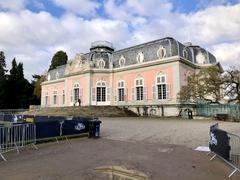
(159, 82)
(55, 95)
(140, 57)
(161, 52)
(185, 53)
(75, 96)
(122, 61)
(101, 64)
(63, 97)
(46, 99)
(121, 85)
(139, 82)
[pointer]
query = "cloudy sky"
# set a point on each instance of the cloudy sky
(33, 30)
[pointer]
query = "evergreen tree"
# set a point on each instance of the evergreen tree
(2, 65)
(59, 58)
(2, 79)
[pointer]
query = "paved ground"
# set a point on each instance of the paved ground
(78, 159)
(146, 145)
(190, 133)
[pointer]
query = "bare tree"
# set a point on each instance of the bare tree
(232, 84)
(204, 86)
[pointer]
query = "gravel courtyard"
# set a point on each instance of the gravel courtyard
(158, 148)
(190, 133)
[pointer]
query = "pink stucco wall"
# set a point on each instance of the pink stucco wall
(149, 76)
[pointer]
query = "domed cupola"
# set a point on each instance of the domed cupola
(101, 53)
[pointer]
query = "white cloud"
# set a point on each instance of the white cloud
(33, 38)
(80, 7)
(12, 4)
(227, 53)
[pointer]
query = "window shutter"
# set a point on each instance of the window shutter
(144, 93)
(125, 94)
(108, 94)
(93, 94)
(116, 95)
(154, 95)
(133, 94)
(80, 93)
(71, 95)
(167, 91)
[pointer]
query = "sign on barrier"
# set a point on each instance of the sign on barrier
(219, 143)
(74, 127)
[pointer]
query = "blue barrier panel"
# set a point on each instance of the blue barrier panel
(70, 127)
(47, 129)
(219, 143)
(56, 118)
(41, 119)
(1, 117)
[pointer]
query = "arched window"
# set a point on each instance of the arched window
(140, 57)
(121, 90)
(49, 77)
(101, 91)
(139, 84)
(162, 88)
(55, 97)
(101, 64)
(122, 61)
(63, 97)
(185, 53)
(161, 53)
(76, 92)
(46, 98)
(57, 75)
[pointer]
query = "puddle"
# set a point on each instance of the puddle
(122, 173)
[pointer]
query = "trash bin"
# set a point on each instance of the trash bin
(94, 128)
(190, 114)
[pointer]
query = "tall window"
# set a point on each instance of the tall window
(63, 97)
(46, 99)
(162, 87)
(101, 91)
(139, 89)
(76, 92)
(55, 97)
(121, 91)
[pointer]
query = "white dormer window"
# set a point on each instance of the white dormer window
(49, 77)
(101, 64)
(185, 53)
(57, 75)
(161, 53)
(122, 61)
(140, 57)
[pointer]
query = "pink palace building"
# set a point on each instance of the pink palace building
(144, 78)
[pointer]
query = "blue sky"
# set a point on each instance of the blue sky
(33, 30)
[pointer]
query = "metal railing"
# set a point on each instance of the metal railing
(226, 146)
(16, 136)
(234, 141)
(11, 111)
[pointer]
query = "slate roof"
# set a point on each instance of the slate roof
(98, 50)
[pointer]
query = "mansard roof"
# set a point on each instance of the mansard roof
(146, 52)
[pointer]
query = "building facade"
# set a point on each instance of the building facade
(144, 78)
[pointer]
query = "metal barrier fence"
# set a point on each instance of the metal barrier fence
(234, 141)
(16, 136)
(11, 111)
(226, 146)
